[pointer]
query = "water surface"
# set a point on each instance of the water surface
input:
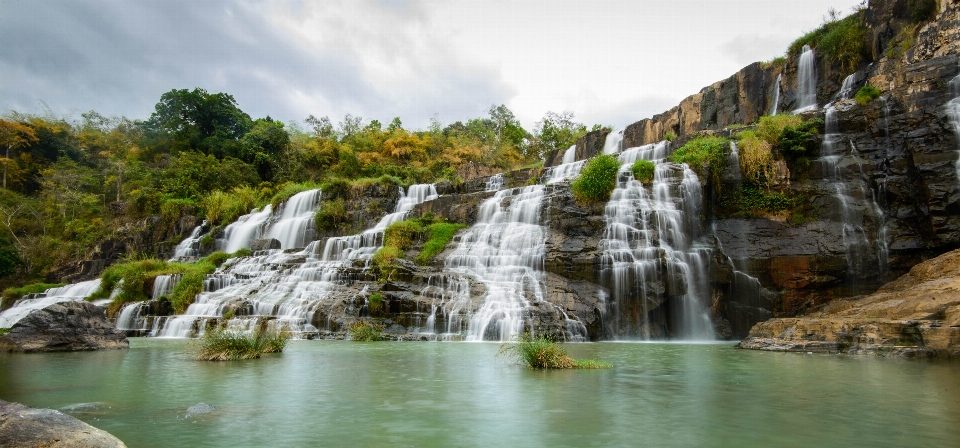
(338, 393)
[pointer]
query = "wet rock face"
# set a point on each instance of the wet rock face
(65, 326)
(25, 426)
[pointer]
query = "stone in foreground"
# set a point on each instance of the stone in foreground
(23, 426)
(64, 326)
(918, 315)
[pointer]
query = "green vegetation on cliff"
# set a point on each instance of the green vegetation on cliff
(365, 331)
(703, 154)
(866, 94)
(643, 170)
(597, 179)
(841, 39)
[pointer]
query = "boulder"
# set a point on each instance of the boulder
(25, 426)
(265, 244)
(64, 326)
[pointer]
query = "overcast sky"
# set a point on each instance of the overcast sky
(612, 62)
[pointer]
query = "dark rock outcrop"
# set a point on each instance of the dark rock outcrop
(265, 244)
(23, 426)
(64, 326)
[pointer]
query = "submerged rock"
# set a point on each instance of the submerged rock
(64, 326)
(25, 426)
(918, 315)
(201, 408)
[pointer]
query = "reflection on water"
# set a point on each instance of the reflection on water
(342, 393)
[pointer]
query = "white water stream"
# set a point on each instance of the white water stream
(23, 307)
(806, 81)
(650, 253)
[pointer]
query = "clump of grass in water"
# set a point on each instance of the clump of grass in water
(364, 331)
(539, 352)
(229, 345)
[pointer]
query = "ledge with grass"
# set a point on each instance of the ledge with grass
(231, 345)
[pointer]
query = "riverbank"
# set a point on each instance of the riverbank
(917, 315)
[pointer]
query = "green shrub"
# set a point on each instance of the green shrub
(866, 94)
(778, 62)
(402, 234)
(538, 352)
(171, 209)
(223, 208)
(597, 179)
(771, 126)
(11, 295)
(750, 201)
(756, 158)
(219, 257)
(670, 136)
(844, 40)
(643, 170)
(922, 10)
(190, 285)
(703, 154)
(375, 302)
(438, 236)
(335, 187)
(331, 215)
(364, 331)
(228, 345)
(383, 262)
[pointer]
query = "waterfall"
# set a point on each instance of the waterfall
(163, 285)
(856, 201)
(190, 246)
(450, 296)
(504, 250)
(807, 81)
(846, 89)
(776, 96)
(570, 155)
(291, 224)
(494, 183)
(656, 269)
(131, 317)
(24, 306)
(561, 173)
(294, 225)
(953, 113)
(285, 288)
(611, 145)
(364, 245)
(734, 161)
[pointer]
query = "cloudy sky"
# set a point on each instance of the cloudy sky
(609, 62)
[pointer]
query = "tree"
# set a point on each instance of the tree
(260, 147)
(555, 132)
(14, 135)
(210, 122)
(322, 127)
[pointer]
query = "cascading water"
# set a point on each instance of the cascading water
(806, 81)
(561, 173)
(611, 145)
(734, 161)
(656, 269)
(846, 88)
(843, 167)
(776, 96)
(953, 113)
(570, 155)
(505, 251)
(190, 246)
(494, 183)
(285, 288)
(22, 307)
(292, 224)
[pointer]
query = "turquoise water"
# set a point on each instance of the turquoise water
(335, 393)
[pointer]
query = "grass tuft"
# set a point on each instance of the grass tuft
(643, 170)
(866, 94)
(703, 154)
(539, 352)
(229, 345)
(364, 331)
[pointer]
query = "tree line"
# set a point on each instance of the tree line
(68, 183)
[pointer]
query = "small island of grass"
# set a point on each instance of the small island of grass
(540, 352)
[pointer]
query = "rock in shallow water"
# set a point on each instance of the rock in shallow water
(64, 326)
(25, 426)
(201, 408)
